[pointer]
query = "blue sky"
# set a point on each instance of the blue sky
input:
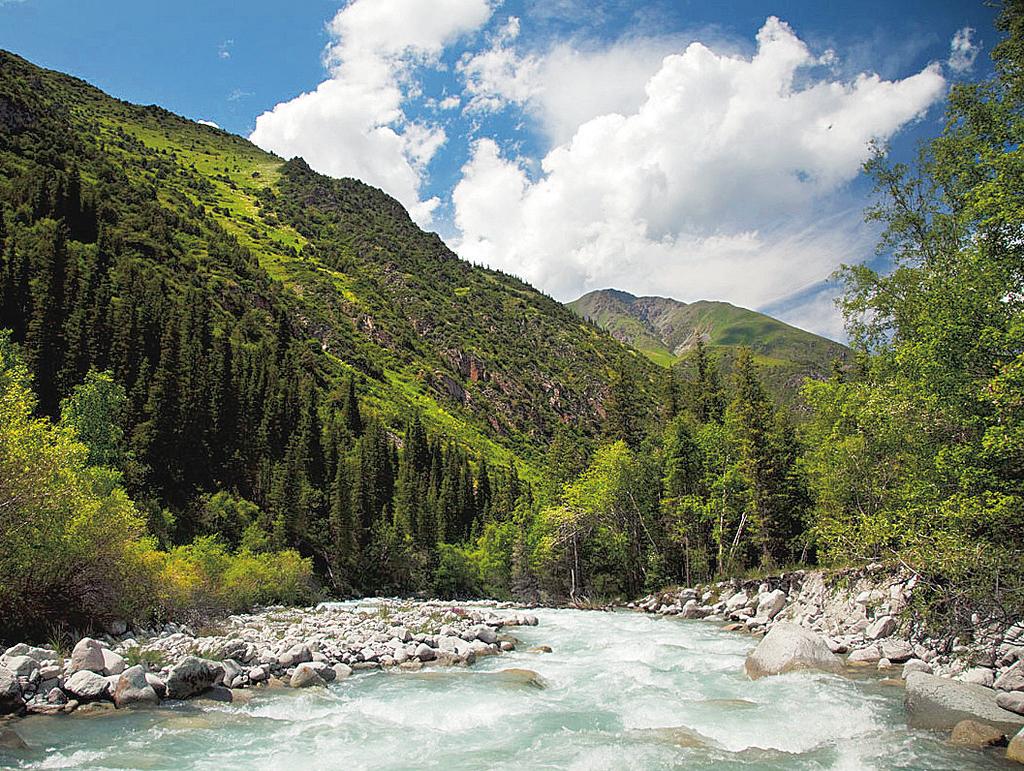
(690, 148)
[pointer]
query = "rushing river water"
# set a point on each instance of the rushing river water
(621, 690)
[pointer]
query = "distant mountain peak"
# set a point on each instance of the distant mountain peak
(666, 330)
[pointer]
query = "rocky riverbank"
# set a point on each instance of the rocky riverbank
(273, 648)
(832, 621)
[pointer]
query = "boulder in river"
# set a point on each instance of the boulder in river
(133, 689)
(938, 704)
(306, 675)
(10, 692)
(1016, 749)
(193, 675)
(971, 733)
(788, 647)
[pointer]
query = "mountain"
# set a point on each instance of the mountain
(272, 247)
(666, 330)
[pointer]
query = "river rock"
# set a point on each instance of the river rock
(1011, 700)
(424, 652)
(341, 671)
(897, 651)
(305, 676)
(880, 627)
(769, 605)
(133, 689)
(10, 692)
(788, 647)
(938, 704)
(1012, 679)
(979, 676)
(868, 655)
(11, 740)
(916, 665)
(113, 663)
(22, 666)
(86, 685)
(737, 601)
(87, 656)
(297, 654)
(193, 675)
(157, 684)
(971, 733)
(1015, 751)
(257, 674)
(481, 632)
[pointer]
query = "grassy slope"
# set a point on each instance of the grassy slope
(361, 294)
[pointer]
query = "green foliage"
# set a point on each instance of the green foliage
(63, 526)
(95, 411)
(918, 456)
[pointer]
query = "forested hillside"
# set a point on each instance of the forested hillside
(271, 339)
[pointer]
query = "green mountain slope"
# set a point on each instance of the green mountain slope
(485, 357)
(666, 330)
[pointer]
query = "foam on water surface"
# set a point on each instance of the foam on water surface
(620, 691)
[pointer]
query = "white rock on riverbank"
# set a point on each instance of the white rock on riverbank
(275, 647)
(860, 613)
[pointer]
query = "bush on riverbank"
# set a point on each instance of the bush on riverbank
(74, 545)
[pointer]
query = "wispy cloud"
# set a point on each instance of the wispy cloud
(224, 49)
(238, 94)
(963, 50)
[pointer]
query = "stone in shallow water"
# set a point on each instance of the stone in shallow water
(680, 736)
(133, 689)
(306, 675)
(11, 740)
(519, 677)
(731, 703)
(193, 675)
(938, 704)
(788, 647)
(971, 733)
(1016, 749)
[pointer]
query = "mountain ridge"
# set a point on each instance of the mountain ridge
(666, 331)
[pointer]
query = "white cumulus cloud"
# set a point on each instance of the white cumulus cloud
(353, 123)
(704, 174)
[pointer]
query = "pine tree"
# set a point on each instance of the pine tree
(624, 410)
(351, 418)
(709, 398)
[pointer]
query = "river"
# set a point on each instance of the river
(622, 691)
